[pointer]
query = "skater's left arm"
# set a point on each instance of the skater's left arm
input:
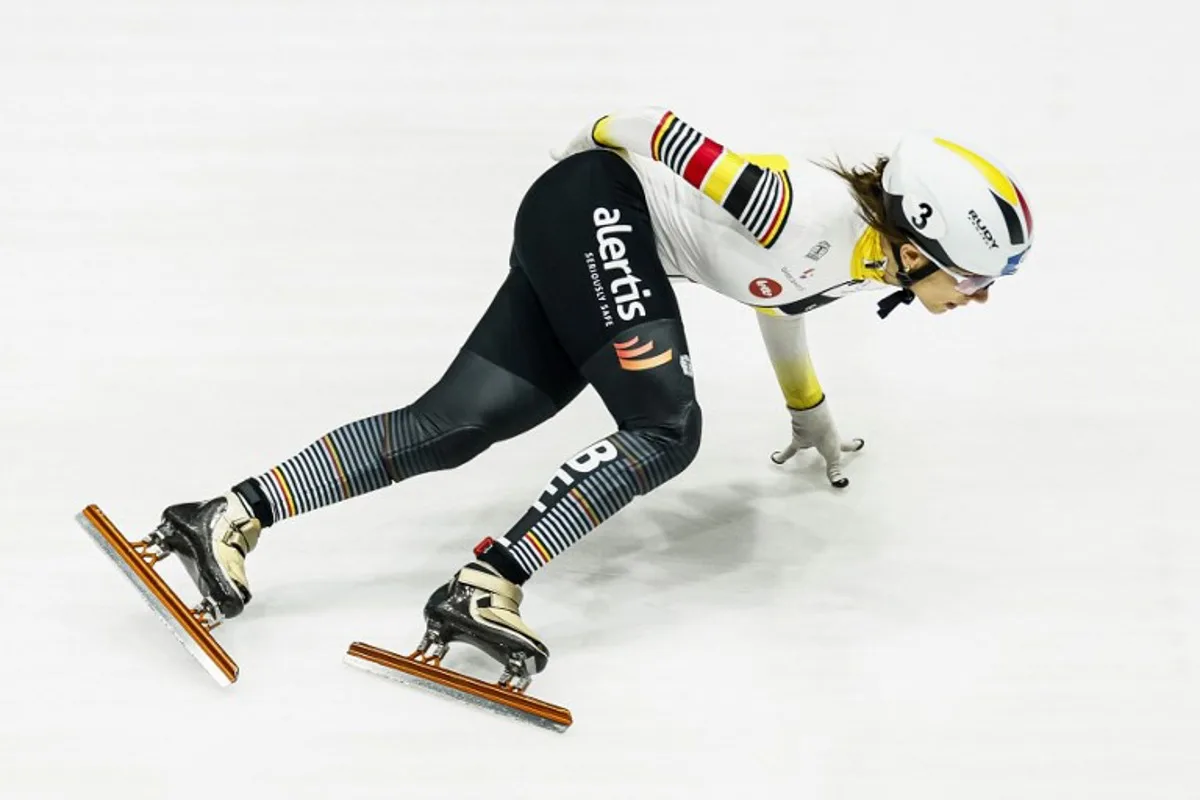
(753, 188)
(812, 424)
(786, 340)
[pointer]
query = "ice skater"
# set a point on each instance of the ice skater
(635, 201)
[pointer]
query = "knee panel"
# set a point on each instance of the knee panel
(474, 405)
(415, 442)
(674, 443)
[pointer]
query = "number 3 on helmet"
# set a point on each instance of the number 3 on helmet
(965, 212)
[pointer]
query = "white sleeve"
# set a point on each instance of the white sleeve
(787, 346)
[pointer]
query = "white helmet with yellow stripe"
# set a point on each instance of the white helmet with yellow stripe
(965, 212)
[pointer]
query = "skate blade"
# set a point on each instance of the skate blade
(193, 635)
(490, 696)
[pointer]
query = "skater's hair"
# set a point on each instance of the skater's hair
(866, 184)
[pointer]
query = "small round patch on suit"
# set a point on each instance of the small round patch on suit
(765, 287)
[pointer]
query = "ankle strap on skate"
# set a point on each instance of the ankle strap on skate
(244, 527)
(243, 535)
(482, 578)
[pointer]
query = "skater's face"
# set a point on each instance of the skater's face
(940, 292)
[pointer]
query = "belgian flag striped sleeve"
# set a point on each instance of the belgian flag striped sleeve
(759, 198)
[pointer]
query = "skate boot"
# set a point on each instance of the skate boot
(212, 539)
(480, 607)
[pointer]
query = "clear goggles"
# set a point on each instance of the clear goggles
(966, 282)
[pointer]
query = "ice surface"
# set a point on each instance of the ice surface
(229, 227)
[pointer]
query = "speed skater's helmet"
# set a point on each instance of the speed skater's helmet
(963, 211)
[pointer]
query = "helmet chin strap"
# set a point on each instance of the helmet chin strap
(905, 296)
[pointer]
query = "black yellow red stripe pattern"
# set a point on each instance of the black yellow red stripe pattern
(338, 466)
(759, 198)
(540, 536)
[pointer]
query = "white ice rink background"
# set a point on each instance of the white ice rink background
(229, 227)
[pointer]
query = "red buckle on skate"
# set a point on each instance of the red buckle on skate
(484, 546)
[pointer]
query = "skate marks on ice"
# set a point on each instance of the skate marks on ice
(693, 540)
(707, 548)
(136, 560)
(427, 673)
